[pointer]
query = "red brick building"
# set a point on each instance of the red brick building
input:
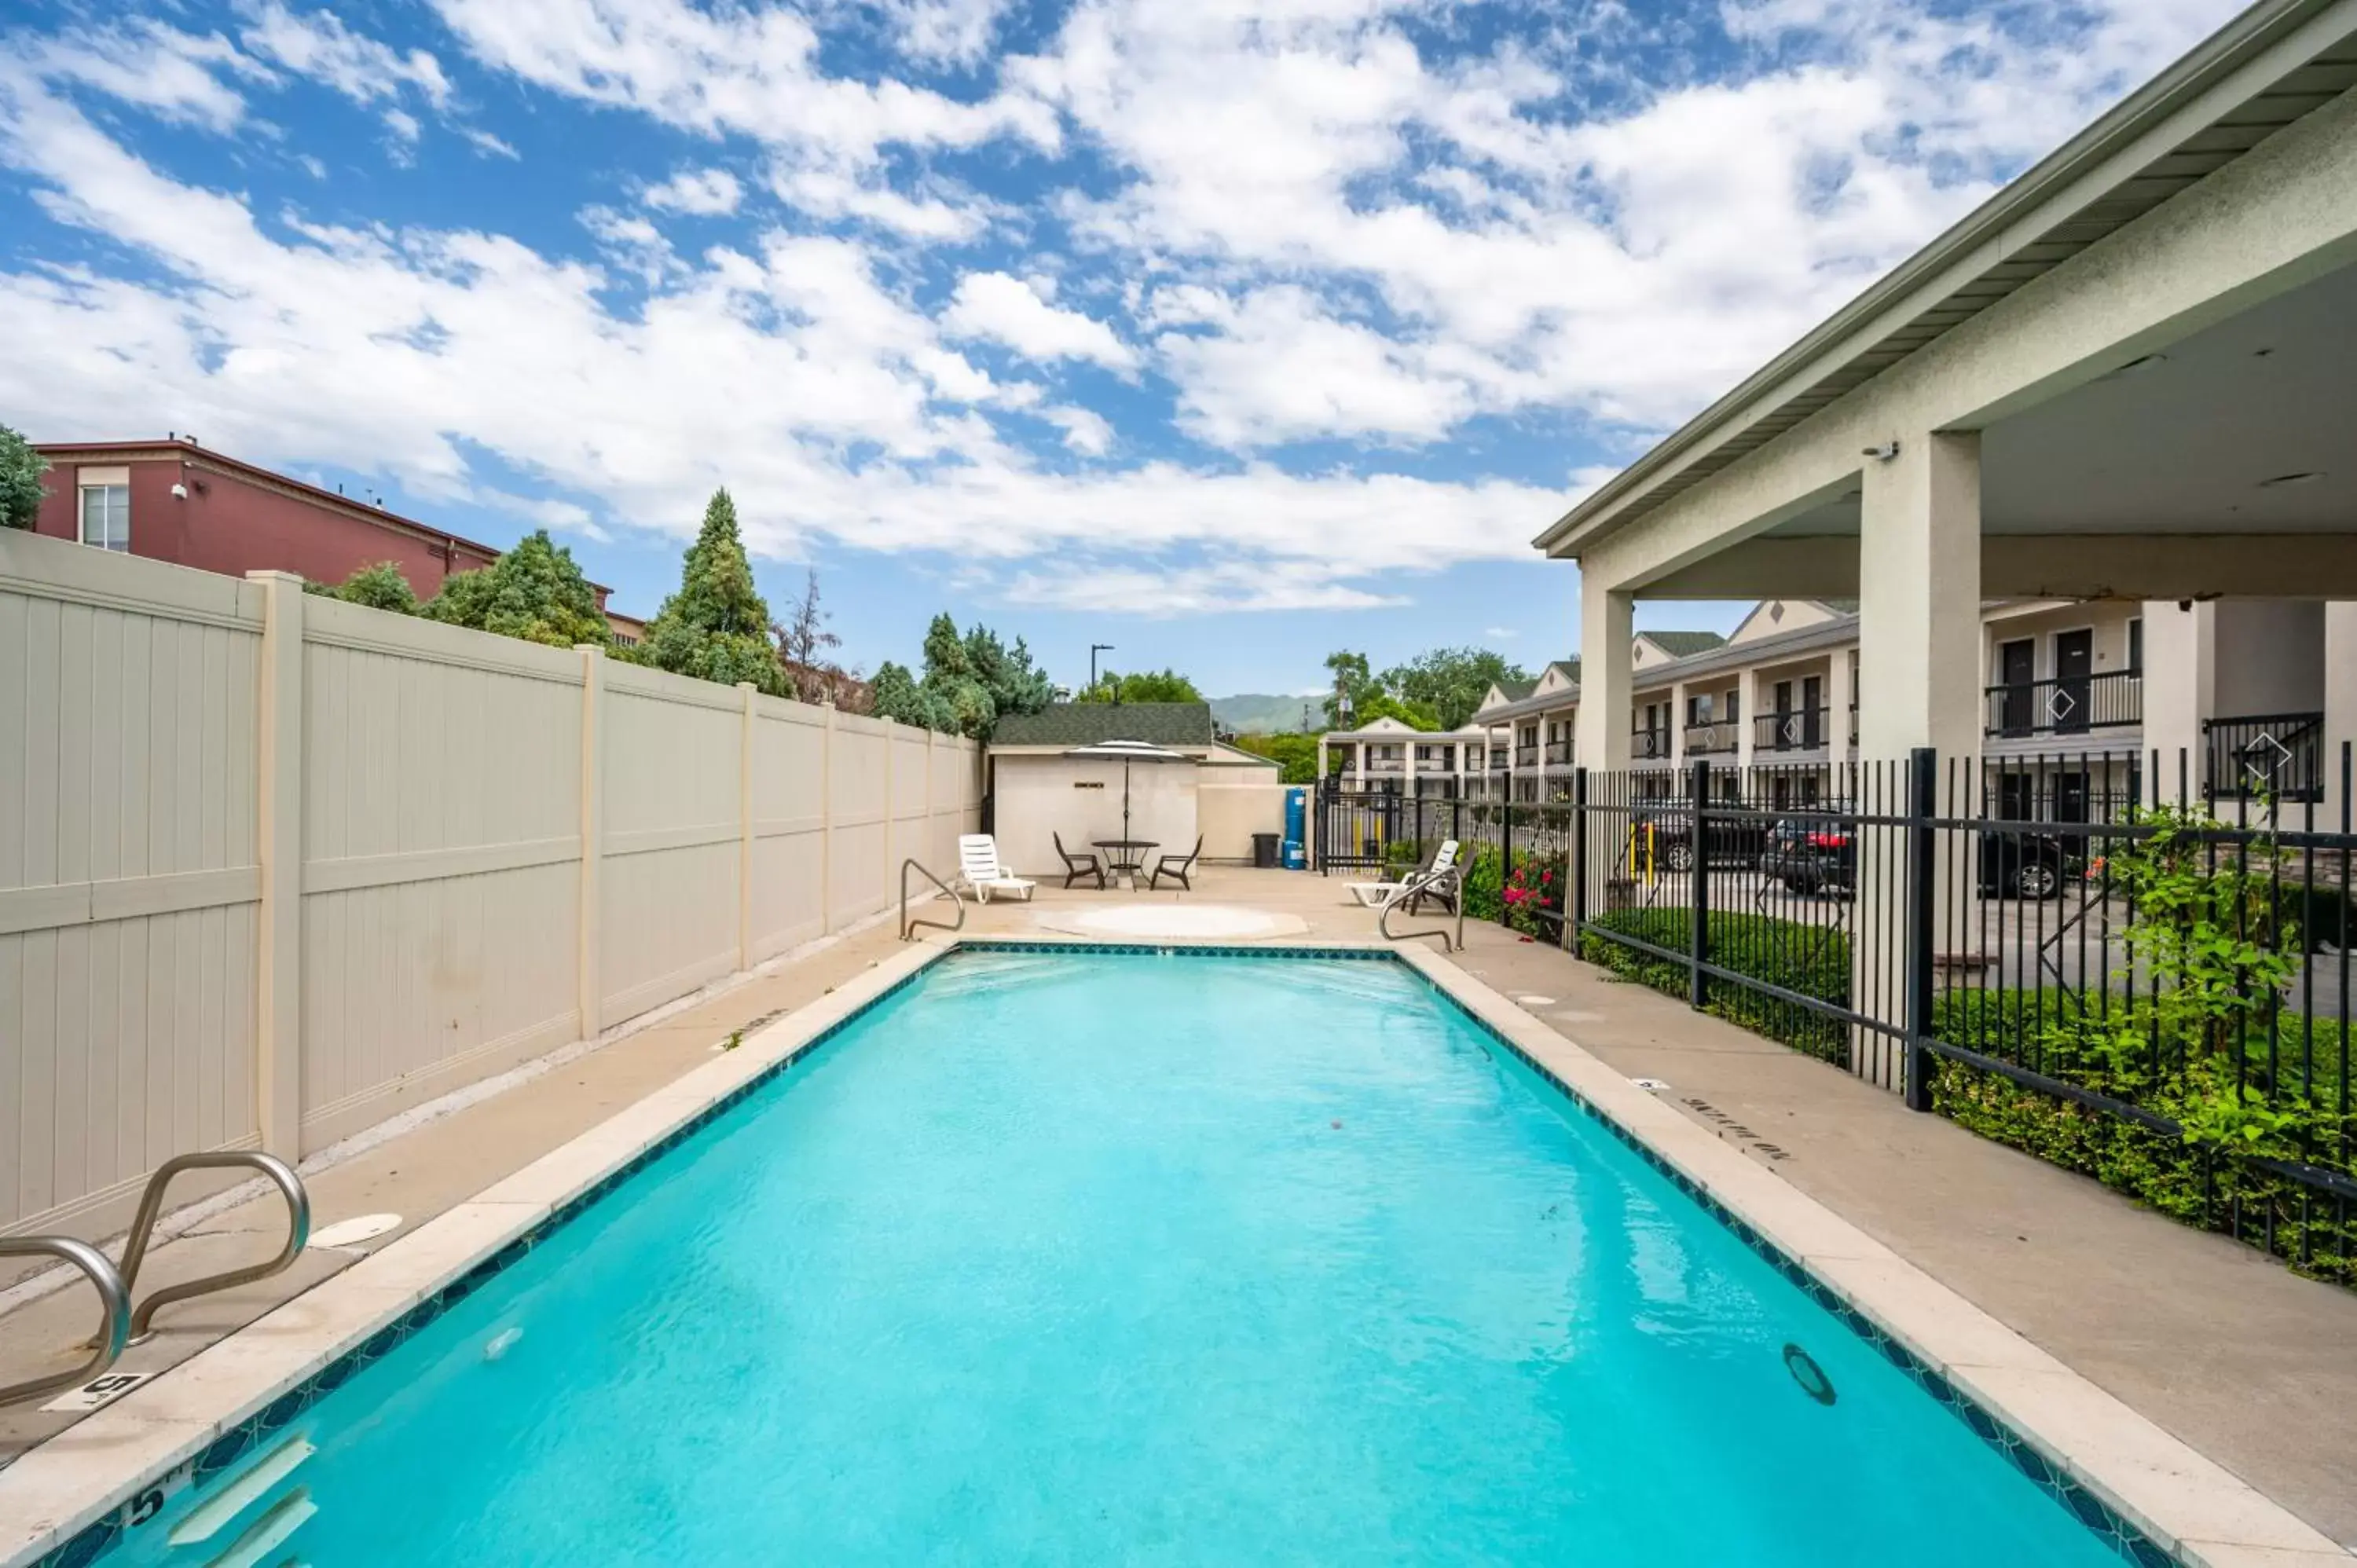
(173, 500)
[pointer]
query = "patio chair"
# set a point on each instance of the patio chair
(978, 867)
(1179, 867)
(1435, 880)
(1078, 866)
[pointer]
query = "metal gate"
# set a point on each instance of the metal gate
(1352, 830)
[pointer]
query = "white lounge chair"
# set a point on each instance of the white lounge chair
(978, 867)
(1439, 879)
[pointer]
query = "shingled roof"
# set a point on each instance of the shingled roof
(1086, 723)
(1679, 644)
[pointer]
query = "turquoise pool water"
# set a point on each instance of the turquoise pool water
(1084, 1259)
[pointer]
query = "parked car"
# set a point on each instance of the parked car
(1733, 841)
(1816, 855)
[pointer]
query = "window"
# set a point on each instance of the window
(106, 516)
(2136, 646)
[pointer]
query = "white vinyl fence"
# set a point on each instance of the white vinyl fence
(273, 868)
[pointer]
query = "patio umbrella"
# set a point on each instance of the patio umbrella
(1128, 751)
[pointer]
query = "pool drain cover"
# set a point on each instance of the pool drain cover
(1809, 1375)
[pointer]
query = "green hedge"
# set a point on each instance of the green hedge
(2203, 1181)
(1810, 960)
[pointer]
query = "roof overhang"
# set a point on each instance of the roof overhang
(2271, 65)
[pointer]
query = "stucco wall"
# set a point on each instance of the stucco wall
(1036, 797)
(1233, 804)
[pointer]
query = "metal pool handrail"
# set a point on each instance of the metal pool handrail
(151, 1203)
(113, 1294)
(1455, 886)
(908, 925)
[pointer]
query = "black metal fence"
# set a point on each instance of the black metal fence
(2085, 956)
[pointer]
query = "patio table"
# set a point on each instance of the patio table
(1125, 857)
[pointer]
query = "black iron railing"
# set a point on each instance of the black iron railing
(2074, 704)
(1527, 757)
(1791, 729)
(1650, 745)
(2265, 755)
(1558, 753)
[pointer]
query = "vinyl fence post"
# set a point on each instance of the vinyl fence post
(1579, 895)
(278, 1032)
(1923, 777)
(1698, 879)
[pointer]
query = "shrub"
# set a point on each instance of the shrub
(1809, 960)
(2284, 1105)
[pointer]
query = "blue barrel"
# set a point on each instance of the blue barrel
(1296, 829)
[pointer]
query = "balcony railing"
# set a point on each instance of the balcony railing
(1558, 753)
(1650, 745)
(1793, 729)
(2265, 755)
(2073, 704)
(1527, 757)
(1382, 764)
(1711, 739)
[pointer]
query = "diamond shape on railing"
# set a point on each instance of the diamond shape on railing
(1789, 727)
(2061, 705)
(2256, 752)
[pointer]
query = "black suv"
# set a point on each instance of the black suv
(1812, 856)
(1733, 841)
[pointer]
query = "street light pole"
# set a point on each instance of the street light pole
(1095, 649)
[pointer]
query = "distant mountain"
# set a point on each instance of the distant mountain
(1256, 713)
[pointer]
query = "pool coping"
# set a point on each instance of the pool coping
(67, 1501)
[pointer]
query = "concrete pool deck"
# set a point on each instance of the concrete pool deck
(2249, 1365)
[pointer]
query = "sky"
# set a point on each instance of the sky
(1226, 334)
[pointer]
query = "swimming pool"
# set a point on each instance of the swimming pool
(1062, 1256)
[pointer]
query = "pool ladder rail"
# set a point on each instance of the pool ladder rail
(122, 1325)
(909, 925)
(1450, 885)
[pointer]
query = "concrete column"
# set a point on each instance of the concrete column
(1747, 736)
(1407, 768)
(1919, 598)
(1605, 632)
(2180, 692)
(1321, 760)
(1677, 724)
(750, 695)
(589, 998)
(2340, 706)
(278, 1035)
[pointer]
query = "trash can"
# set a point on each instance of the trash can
(1265, 851)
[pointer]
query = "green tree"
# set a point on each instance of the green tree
(716, 626)
(900, 697)
(535, 592)
(1449, 681)
(1016, 686)
(21, 490)
(1297, 753)
(1147, 686)
(1383, 706)
(380, 586)
(1351, 680)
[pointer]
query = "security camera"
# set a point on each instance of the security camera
(1884, 453)
(179, 492)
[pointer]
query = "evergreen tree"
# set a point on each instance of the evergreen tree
(380, 586)
(535, 592)
(717, 628)
(21, 468)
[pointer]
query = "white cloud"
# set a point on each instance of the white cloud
(1085, 429)
(706, 192)
(319, 45)
(1297, 223)
(745, 72)
(1501, 633)
(1003, 310)
(175, 76)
